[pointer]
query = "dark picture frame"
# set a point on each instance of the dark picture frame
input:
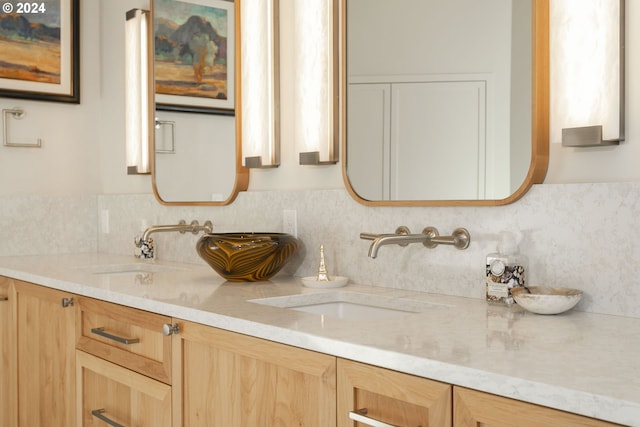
(194, 56)
(40, 50)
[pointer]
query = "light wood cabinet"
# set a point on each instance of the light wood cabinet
(390, 397)
(46, 356)
(8, 365)
(473, 408)
(109, 394)
(231, 380)
(204, 376)
(126, 336)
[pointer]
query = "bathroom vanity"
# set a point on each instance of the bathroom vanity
(128, 343)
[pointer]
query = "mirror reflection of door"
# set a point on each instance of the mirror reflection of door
(438, 98)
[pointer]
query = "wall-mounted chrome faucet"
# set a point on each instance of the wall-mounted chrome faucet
(145, 247)
(429, 237)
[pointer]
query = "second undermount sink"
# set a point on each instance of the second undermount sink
(351, 305)
(129, 268)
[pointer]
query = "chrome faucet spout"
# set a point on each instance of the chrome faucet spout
(181, 227)
(145, 247)
(429, 237)
(394, 239)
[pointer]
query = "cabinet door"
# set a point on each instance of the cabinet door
(473, 408)
(231, 380)
(390, 397)
(46, 346)
(8, 368)
(109, 394)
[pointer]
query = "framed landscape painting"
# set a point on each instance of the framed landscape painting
(40, 50)
(194, 55)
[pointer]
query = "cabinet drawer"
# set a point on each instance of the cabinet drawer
(126, 336)
(109, 394)
(385, 397)
(474, 408)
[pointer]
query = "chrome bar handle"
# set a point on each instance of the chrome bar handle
(67, 302)
(360, 415)
(102, 333)
(99, 414)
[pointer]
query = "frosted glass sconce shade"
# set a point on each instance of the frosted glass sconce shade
(317, 84)
(137, 80)
(260, 84)
(587, 72)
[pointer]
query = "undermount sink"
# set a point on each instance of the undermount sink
(350, 305)
(129, 268)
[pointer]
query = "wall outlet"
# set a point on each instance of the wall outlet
(290, 222)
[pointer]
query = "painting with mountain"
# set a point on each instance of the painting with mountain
(194, 54)
(38, 51)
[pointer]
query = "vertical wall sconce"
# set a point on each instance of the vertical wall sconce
(317, 82)
(260, 84)
(587, 71)
(138, 92)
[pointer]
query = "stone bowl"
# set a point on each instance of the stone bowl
(247, 257)
(546, 300)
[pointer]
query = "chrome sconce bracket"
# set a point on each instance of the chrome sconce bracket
(255, 162)
(588, 136)
(312, 158)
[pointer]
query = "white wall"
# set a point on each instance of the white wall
(68, 162)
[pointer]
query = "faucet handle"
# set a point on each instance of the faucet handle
(401, 231)
(207, 227)
(369, 236)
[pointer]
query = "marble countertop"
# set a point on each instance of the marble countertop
(578, 362)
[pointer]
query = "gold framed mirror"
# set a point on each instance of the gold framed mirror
(196, 147)
(386, 162)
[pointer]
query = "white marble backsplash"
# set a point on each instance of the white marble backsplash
(36, 225)
(585, 236)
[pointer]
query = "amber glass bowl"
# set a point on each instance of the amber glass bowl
(247, 257)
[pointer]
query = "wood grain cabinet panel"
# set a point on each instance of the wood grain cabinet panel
(46, 357)
(146, 349)
(477, 409)
(8, 356)
(107, 393)
(205, 376)
(391, 397)
(227, 379)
